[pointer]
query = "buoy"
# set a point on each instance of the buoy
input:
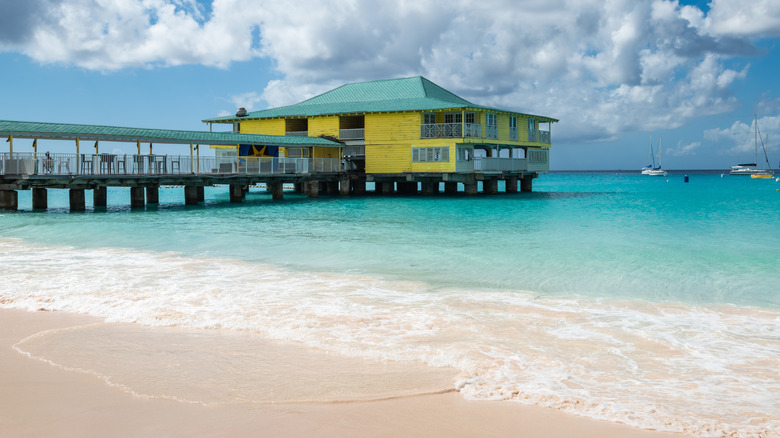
(686, 178)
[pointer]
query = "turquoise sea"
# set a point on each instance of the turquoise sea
(645, 300)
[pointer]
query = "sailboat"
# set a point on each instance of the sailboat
(652, 169)
(752, 168)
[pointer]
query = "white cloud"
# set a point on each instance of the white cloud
(685, 149)
(602, 67)
(740, 138)
(737, 17)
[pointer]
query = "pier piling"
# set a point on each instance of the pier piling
(39, 198)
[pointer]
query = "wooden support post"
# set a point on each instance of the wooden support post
(526, 184)
(450, 187)
(511, 184)
(277, 190)
(427, 188)
(314, 189)
(344, 186)
(9, 200)
(11, 146)
(490, 186)
(471, 188)
(191, 195)
(137, 199)
(99, 196)
(298, 187)
(333, 187)
(236, 193)
(77, 202)
(201, 193)
(359, 187)
(388, 188)
(39, 198)
(153, 195)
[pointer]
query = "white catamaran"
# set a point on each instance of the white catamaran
(752, 168)
(652, 169)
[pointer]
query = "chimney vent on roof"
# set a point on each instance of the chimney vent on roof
(241, 112)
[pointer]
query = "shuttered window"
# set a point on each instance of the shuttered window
(430, 155)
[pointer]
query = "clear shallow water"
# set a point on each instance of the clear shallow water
(644, 300)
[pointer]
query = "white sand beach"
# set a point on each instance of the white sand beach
(40, 399)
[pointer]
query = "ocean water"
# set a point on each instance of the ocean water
(643, 300)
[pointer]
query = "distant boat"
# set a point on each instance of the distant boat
(752, 168)
(652, 169)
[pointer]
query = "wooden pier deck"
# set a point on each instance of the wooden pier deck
(144, 174)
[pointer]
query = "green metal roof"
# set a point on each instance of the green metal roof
(390, 95)
(64, 131)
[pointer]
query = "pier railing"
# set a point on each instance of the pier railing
(68, 164)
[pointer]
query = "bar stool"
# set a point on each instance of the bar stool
(138, 163)
(120, 162)
(86, 164)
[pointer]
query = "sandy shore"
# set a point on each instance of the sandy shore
(39, 399)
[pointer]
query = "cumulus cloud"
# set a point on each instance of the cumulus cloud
(741, 139)
(757, 17)
(685, 149)
(602, 67)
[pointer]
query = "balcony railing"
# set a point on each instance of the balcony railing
(538, 160)
(352, 134)
(544, 136)
(354, 151)
(487, 164)
(513, 133)
(117, 165)
(450, 130)
(491, 131)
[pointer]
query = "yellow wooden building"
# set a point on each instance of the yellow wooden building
(406, 131)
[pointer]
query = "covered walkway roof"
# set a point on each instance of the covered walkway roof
(65, 131)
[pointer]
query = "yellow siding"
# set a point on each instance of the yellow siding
(388, 141)
(392, 128)
(388, 158)
(325, 152)
(503, 127)
(448, 166)
(263, 126)
(328, 125)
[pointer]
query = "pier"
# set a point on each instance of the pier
(144, 174)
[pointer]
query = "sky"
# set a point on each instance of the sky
(689, 76)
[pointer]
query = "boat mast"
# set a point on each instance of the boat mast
(755, 137)
(652, 154)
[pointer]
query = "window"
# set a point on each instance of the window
(430, 155)
(512, 128)
(471, 118)
(236, 126)
(453, 118)
(491, 126)
(297, 152)
(429, 118)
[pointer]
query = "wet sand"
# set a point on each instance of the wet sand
(39, 399)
